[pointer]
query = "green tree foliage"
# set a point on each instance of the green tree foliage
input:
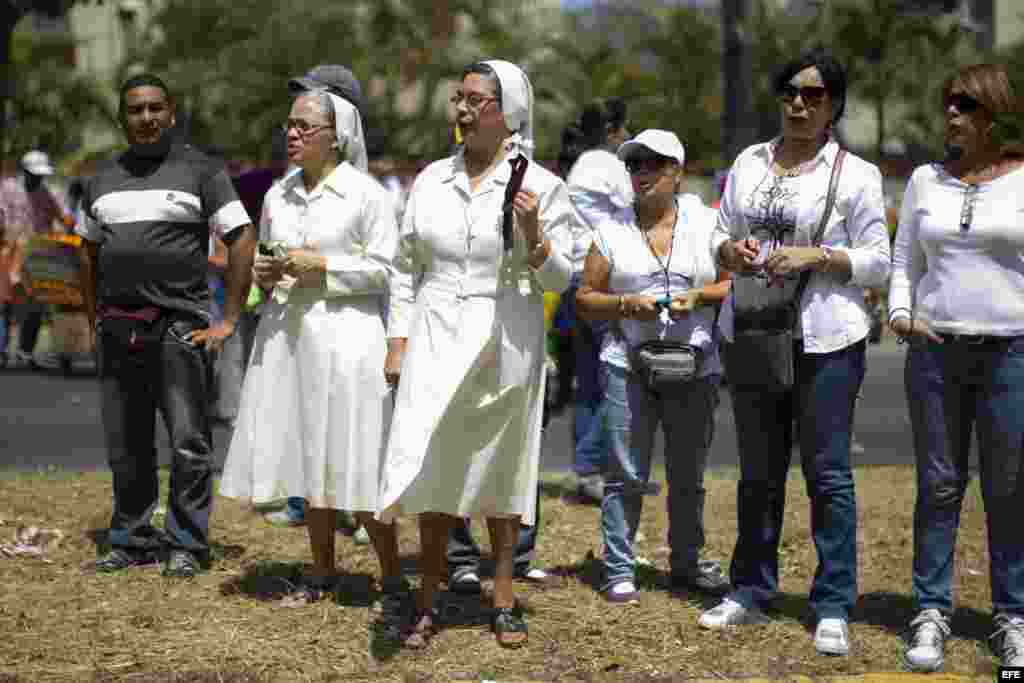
(51, 105)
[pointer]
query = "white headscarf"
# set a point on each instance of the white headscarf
(516, 103)
(349, 129)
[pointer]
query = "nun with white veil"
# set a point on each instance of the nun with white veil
(315, 406)
(466, 337)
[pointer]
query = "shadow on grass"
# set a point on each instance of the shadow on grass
(270, 580)
(893, 612)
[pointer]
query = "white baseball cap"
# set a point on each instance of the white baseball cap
(37, 163)
(661, 142)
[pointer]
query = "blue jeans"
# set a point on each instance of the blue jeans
(591, 444)
(822, 401)
(953, 388)
(633, 415)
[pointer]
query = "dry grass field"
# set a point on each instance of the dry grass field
(60, 623)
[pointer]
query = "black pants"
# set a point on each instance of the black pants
(173, 376)
(464, 554)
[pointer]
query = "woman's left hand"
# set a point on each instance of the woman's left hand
(526, 207)
(305, 265)
(790, 260)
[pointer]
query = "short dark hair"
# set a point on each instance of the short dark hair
(590, 130)
(833, 75)
(485, 70)
(140, 81)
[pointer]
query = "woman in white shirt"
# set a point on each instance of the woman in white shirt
(315, 405)
(658, 250)
(466, 337)
(773, 204)
(957, 294)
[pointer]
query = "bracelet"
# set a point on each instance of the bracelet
(622, 306)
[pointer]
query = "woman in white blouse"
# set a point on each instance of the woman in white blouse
(315, 405)
(957, 294)
(773, 203)
(657, 250)
(466, 337)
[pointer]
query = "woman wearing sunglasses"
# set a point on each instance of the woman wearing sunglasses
(484, 234)
(773, 207)
(957, 295)
(650, 271)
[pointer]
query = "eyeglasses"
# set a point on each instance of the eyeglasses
(811, 95)
(474, 101)
(967, 209)
(965, 104)
(304, 128)
(646, 164)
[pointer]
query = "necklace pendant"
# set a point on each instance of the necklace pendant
(663, 317)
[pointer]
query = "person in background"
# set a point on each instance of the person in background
(957, 297)
(599, 188)
(773, 205)
(658, 249)
(315, 406)
(466, 338)
(27, 207)
(149, 215)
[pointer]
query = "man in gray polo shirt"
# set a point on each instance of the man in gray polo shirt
(147, 219)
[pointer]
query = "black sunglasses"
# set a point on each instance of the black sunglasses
(810, 94)
(647, 164)
(965, 104)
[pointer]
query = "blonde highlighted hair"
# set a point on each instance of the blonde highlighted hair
(992, 86)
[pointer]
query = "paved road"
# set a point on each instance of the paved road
(47, 419)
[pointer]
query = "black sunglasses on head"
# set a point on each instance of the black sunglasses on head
(810, 94)
(965, 104)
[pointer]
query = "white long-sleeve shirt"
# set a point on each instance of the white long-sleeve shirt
(786, 211)
(961, 280)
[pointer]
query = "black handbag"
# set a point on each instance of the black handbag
(663, 365)
(764, 315)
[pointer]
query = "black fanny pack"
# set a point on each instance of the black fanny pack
(665, 364)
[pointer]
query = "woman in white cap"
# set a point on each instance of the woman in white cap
(315, 406)
(650, 271)
(466, 336)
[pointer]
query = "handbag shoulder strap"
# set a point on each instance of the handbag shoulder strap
(830, 198)
(819, 234)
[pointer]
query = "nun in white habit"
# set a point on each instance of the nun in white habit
(466, 337)
(315, 405)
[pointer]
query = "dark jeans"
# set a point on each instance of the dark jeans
(952, 389)
(171, 375)
(30, 316)
(464, 554)
(822, 402)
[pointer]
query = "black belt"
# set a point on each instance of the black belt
(974, 339)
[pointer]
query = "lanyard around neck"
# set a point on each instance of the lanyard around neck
(664, 265)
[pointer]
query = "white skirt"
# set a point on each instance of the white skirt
(315, 408)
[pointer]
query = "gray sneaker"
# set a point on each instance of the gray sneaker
(591, 487)
(926, 641)
(707, 577)
(1008, 640)
(282, 518)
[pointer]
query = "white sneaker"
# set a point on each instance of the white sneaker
(927, 641)
(832, 637)
(1008, 640)
(729, 613)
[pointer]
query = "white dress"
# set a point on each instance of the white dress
(315, 408)
(466, 433)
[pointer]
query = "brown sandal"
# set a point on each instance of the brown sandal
(416, 634)
(509, 627)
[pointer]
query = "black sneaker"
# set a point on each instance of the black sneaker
(181, 564)
(707, 577)
(120, 558)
